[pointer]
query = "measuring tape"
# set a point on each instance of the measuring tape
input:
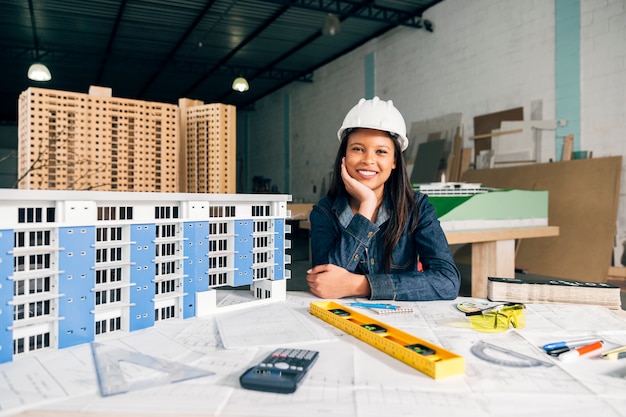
(424, 356)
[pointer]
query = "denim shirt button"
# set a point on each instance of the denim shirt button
(356, 257)
(370, 234)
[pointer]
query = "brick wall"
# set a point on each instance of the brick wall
(603, 89)
(483, 56)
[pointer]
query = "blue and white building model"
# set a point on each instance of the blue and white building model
(78, 264)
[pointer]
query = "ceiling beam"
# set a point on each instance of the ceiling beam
(78, 60)
(232, 53)
(343, 9)
(178, 45)
(247, 72)
(367, 10)
(116, 25)
(31, 10)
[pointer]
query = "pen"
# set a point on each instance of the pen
(558, 351)
(574, 353)
(617, 353)
(571, 343)
(374, 305)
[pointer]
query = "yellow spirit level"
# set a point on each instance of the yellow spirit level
(426, 357)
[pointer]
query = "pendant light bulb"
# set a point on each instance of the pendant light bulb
(241, 84)
(39, 72)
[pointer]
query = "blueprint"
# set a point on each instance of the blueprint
(350, 378)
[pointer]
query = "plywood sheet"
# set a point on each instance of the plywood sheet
(486, 123)
(427, 162)
(443, 127)
(583, 202)
(455, 159)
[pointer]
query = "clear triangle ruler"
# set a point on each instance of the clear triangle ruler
(122, 370)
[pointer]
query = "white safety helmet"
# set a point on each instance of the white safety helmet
(376, 114)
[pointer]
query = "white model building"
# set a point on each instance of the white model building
(78, 264)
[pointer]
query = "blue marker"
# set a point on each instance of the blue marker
(374, 305)
(570, 344)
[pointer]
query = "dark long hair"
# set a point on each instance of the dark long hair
(398, 192)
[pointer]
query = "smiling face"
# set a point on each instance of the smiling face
(370, 158)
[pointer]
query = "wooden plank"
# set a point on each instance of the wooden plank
(466, 159)
(568, 147)
(450, 172)
(299, 211)
(486, 123)
(497, 133)
(521, 161)
(487, 235)
(454, 167)
(617, 271)
(491, 259)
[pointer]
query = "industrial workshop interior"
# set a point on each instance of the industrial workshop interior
(160, 161)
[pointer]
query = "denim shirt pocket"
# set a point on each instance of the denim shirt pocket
(404, 255)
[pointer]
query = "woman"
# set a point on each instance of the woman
(371, 231)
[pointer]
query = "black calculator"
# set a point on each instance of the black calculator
(281, 371)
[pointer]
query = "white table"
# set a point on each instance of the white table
(350, 378)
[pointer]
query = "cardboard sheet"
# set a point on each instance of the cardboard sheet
(583, 202)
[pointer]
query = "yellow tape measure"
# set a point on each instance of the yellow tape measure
(424, 356)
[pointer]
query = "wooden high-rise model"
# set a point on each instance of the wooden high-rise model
(77, 141)
(208, 147)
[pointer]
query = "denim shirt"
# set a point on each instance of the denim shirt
(353, 242)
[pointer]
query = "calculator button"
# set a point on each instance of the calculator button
(269, 375)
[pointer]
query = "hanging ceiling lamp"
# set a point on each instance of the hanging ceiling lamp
(332, 25)
(241, 84)
(39, 72)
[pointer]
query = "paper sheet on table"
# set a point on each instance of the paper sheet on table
(350, 378)
(268, 325)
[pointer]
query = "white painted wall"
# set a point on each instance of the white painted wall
(603, 90)
(484, 56)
